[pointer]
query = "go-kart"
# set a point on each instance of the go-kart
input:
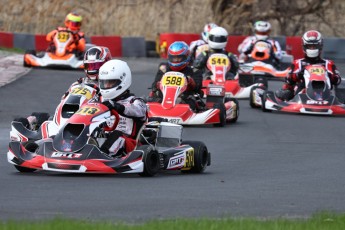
(314, 95)
(76, 148)
(45, 127)
(60, 57)
(219, 65)
(261, 65)
(218, 110)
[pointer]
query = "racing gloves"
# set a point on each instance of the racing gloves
(114, 105)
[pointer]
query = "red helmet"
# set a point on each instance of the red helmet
(73, 21)
(312, 43)
(94, 58)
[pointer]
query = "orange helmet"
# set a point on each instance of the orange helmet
(73, 21)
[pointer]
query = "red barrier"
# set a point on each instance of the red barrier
(114, 43)
(294, 47)
(167, 39)
(233, 43)
(41, 44)
(6, 40)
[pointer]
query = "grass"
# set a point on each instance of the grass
(12, 50)
(321, 221)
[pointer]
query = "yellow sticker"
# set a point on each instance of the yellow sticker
(189, 163)
(87, 110)
(82, 91)
(219, 60)
(63, 36)
(173, 80)
(317, 70)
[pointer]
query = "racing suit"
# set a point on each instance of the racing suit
(193, 47)
(133, 114)
(194, 85)
(78, 37)
(247, 45)
(295, 76)
(200, 63)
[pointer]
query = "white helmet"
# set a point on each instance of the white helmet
(207, 28)
(115, 77)
(312, 43)
(262, 30)
(218, 38)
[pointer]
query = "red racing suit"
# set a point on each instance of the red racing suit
(295, 75)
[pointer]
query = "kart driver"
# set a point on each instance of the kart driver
(262, 30)
(312, 47)
(178, 60)
(204, 40)
(217, 42)
(72, 23)
(115, 79)
(94, 58)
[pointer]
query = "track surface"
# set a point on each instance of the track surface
(265, 165)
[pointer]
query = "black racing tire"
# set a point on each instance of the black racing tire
(151, 161)
(222, 114)
(237, 111)
(41, 117)
(201, 156)
(263, 103)
(24, 121)
(251, 97)
(24, 169)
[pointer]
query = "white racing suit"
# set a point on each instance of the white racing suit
(123, 139)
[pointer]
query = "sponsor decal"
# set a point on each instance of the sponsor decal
(66, 155)
(312, 102)
(177, 161)
(175, 120)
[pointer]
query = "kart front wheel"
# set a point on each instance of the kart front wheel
(151, 161)
(222, 114)
(263, 102)
(24, 170)
(236, 109)
(202, 157)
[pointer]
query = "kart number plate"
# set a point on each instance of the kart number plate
(87, 110)
(189, 159)
(82, 91)
(63, 36)
(219, 60)
(317, 70)
(173, 81)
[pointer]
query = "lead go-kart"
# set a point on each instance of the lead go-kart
(76, 148)
(60, 57)
(314, 95)
(218, 109)
(46, 125)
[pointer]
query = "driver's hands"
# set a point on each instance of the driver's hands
(110, 121)
(191, 83)
(116, 106)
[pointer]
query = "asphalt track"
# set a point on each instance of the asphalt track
(266, 165)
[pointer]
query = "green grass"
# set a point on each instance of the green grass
(317, 222)
(12, 50)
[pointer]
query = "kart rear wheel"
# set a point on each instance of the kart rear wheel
(151, 161)
(202, 157)
(237, 109)
(24, 121)
(222, 114)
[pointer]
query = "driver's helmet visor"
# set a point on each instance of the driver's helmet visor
(109, 84)
(262, 33)
(93, 67)
(312, 46)
(74, 24)
(177, 58)
(218, 39)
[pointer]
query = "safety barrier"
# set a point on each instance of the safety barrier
(334, 48)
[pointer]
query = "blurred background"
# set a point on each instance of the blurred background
(147, 18)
